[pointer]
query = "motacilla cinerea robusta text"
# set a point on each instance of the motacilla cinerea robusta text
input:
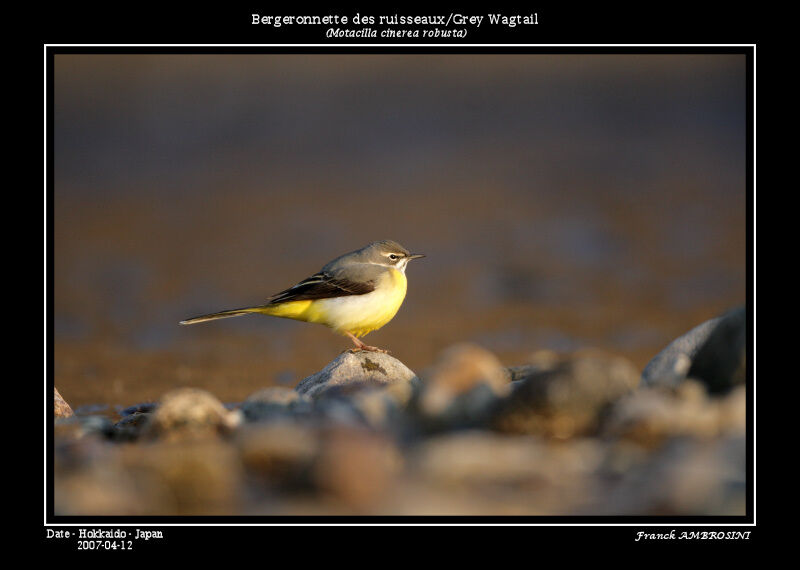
(354, 294)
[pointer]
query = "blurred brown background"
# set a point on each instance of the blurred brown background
(563, 201)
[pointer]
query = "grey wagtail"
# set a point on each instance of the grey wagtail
(354, 294)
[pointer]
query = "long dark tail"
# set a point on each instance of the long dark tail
(220, 315)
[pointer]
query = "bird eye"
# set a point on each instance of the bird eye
(392, 256)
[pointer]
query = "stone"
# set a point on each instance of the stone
(143, 408)
(568, 399)
(187, 477)
(151, 478)
(60, 407)
(275, 402)
(356, 468)
(714, 351)
(733, 412)
(685, 476)
(190, 413)
(278, 453)
(651, 416)
(354, 370)
(130, 426)
(460, 388)
(539, 361)
(78, 427)
(331, 409)
(525, 474)
(94, 484)
(721, 362)
(379, 409)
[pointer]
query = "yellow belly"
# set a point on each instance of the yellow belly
(356, 314)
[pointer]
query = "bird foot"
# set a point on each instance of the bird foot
(361, 346)
(368, 348)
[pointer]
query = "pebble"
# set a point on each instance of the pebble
(279, 453)
(460, 388)
(685, 476)
(354, 370)
(189, 413)
(557, 435)
(145, 407)
(721, 362)
(567, 399)
(275, 402)
(60, 407)
(356, 468)
(654, 415)
(713, 352)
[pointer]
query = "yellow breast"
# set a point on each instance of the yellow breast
(361, 314)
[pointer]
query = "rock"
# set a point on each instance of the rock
(651, 416)
(143, 408)
(721, 362)
(278, 453)
(352, 371)
(375, 408)
(713, 351)
(92, 483)
(686, 476)
(60, 407)
(275, 402)
(153, 478)
(187, 477)
(524, 474)
(333, 409)
(131, 426)
(189, 413)
(568, 399)
(378, 408)
(460, 388)
(356, 467)
(539, 361)
(77, 427)
(733, 412)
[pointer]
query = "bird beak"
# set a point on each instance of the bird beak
(415, 256)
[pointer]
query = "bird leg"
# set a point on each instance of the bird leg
(361, 346)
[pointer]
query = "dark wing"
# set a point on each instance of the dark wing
(323, 285)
